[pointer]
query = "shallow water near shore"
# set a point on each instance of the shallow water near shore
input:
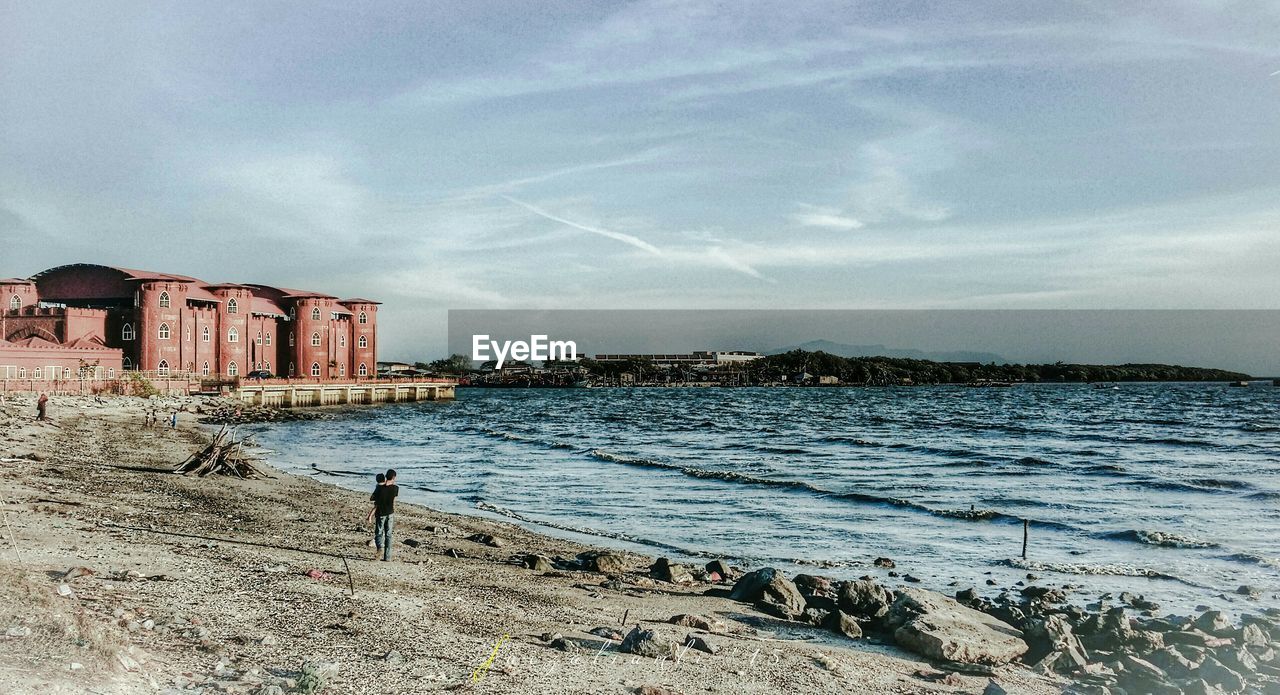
(1167, 490)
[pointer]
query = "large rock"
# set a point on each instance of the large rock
(865, 600)
(771, 592)
(1053, 635)
(664, 570)
(939, 628)
(646, 643)
(603, 561)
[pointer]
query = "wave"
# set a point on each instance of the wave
(1220, 483)
(586, 531)
(1160, 539)
(1265, 496)
(803, 487)
(1116, 570)
(1255, 427)
(1255, 559)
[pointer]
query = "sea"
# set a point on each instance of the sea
(1168, 491)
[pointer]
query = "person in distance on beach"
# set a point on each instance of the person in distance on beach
(384, 507)
(42, 407)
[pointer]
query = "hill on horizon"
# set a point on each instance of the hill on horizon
(846, 350)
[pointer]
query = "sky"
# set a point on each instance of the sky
(658, 155)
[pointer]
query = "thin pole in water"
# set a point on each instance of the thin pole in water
(1026, 525)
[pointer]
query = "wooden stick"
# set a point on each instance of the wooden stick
(351, 582)
(12, 538)
(1026, 525)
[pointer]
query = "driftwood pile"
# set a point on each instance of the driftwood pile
(225, 455)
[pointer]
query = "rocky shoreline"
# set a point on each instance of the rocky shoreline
(168, 611)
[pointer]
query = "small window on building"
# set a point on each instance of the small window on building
(162, 369)
(126, 332)
(342, 370)
(66, 372)
(232, 307)
(267, 365)
(364, 318)
(164, 300)
(342, 341)
(204, 369)
(291, 370)
(36, 374)
(290, 338)
(204, 334)
(15, 303)
(259, 337)
(187, 332)
(315, 369)
(364, 371)
(268, 337)
(233, 336)
(293, 312)
(111, 372)
(164, 331)
(127, 364)
(315, 314)
(315, 340)
(22, 372)
(364, 342)
(232, 369)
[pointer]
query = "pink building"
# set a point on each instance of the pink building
(169, 323)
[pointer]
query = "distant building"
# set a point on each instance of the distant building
(703, 358)
(167, 323)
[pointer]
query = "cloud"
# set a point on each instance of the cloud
(608, 234)
(825, 217)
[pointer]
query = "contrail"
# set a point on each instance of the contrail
(616, 236)
(1277, 72)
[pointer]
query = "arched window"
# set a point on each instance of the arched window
(315, 314)
(233, 336)
(290, 369)
(364, 371)
(232, 307)
(111, 372)
(204, 334)
(259, 337)
(36, 374)
(290, 338)
(126, 332)
(315, 369)
(187, 331)
(204, 370)
(232, 369)
(342, 370)
(315, 340)
(162, 369)
(22, 372)
(342, 341)
(363, 318)
(364, 342)
(127, 364)
(164, 331)
(267, 365)
(15, 303)
(268, 337)
(293, 312)
(164, 300)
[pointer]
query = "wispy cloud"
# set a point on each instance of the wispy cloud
(608, 234)
(825, 217)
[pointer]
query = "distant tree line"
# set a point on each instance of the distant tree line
(800, 366)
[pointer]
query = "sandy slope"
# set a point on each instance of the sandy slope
(90, 490)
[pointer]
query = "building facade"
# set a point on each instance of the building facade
(167, 323)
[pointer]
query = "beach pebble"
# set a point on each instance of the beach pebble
(393, 657)
(884, 562)
(537, 563)
(721, 568)
(603, 561)
(701, 644)
(664, 570)
(645, 643)
(698, 622)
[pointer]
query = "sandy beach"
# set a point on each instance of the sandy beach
(103, 593)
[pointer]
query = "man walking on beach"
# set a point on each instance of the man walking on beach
(384, 507)
(42, 407)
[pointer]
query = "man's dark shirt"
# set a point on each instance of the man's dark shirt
(384, 499)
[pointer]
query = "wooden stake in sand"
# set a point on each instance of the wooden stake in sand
(12, 538)
(225, 455)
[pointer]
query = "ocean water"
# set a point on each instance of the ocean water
(1171, 491)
